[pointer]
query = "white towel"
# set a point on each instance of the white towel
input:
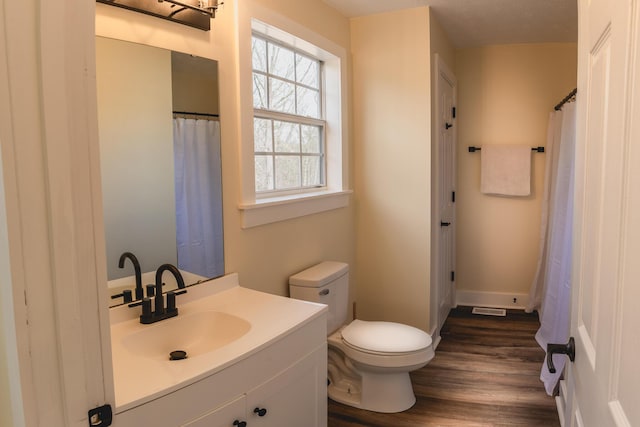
(505, 170)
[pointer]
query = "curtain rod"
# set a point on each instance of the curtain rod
(566, 99)
(188, 113)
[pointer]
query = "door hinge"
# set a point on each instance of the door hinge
(453, 112)
(101, 416)
(453, 276)
(453, 197)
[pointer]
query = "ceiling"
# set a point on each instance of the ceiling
(471, 23)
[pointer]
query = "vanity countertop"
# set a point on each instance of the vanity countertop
(139, 379)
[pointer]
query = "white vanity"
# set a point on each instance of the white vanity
(253, 359)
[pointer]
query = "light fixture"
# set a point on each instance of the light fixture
(194, 13)
(208, 7)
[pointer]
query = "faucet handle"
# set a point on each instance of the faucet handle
(171, 301)
(151, 290)
(126, 295)
(146, 317)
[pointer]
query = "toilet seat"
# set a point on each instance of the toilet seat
(385, 338)
(385, 360)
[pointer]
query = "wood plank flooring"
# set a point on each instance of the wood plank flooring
(485, 373)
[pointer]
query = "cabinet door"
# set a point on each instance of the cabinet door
(223, 416)
(297, 397)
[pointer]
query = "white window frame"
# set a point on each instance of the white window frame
(258, 210)
(268, 114)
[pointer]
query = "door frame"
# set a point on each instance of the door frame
(440, 68)
(51, 244)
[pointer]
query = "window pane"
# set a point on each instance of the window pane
(311, 171)
(310, 139)
(287, 172)
(281, 62)
(287, 137)
(282, 96)
(262, 136)
(289, 152)
(307, 71)
(264, 173)
(308, 102)
(259, 91)
(259, 54)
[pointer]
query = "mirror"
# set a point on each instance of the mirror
(160, 163)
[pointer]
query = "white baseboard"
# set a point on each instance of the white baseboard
(492, 299)
(435, 337)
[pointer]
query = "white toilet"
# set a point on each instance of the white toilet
(369, 362)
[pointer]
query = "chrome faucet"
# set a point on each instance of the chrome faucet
(160, 312)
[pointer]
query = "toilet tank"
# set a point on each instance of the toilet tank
(325, 283)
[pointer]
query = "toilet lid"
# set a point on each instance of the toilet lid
(385, 337)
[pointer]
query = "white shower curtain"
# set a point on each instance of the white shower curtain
(198, 196)
(551, 289)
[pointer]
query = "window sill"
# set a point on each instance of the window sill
(274, 209)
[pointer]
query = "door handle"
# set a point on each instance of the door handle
(569, 349)
(444, 224)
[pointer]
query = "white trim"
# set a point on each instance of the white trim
(435, 337)
(440, 68)
(492, 299)
(618, 414)
(53, 204)
(561, 399)
(269, 210)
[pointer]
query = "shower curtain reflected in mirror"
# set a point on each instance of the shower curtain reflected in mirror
(551, 289)
(198, 196)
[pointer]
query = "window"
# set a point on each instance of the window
(293, 146)
(289, 125)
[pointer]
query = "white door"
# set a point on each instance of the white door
(604, 381)
(445, 192)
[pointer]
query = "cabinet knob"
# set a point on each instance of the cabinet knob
(240, 423)
(260, 411)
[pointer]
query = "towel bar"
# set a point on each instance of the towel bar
(536, 149)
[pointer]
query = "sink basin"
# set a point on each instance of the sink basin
(196, 334)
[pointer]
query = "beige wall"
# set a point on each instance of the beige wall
(392, 110)
(505, 94)
(441, 44)
(263, 256)
(136, 153)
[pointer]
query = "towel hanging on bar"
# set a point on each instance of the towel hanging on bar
(505, 170)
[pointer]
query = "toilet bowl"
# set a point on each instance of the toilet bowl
(369, 361)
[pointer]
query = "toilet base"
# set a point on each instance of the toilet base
(382, 393)
(386, 392)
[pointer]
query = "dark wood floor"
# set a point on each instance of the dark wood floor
(485, 373)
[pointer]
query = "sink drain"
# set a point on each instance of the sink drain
(177, 355)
